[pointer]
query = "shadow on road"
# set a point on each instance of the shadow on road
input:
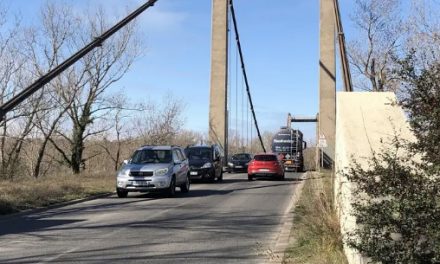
(35, 222)
(205, 225)
(236, 223)
(131, 254)
(29, 224)
(212, 192)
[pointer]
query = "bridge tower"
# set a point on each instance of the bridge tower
(218, 130)
(327, 77)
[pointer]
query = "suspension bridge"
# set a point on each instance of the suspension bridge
(223, 15)
(211, 225)
(231, 112)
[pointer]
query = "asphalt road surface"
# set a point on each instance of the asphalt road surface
(234, 221)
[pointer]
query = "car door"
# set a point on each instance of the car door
(177, 167)
(184, 162)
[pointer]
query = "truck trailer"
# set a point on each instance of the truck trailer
(288, 144)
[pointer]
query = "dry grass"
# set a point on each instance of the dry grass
(316, 231)
(24, 194)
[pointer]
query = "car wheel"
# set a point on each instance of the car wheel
(282, 177)
(185, 186)
(121, 193)
(171, 190)
(250, 178)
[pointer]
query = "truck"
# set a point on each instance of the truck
(288, 144)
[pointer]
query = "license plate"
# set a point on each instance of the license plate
(238, 167)
(193, 173)
(264, 170)
(288, 162)
(140, 183)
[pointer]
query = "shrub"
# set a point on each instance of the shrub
(397, 208)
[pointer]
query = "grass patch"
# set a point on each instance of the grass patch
(31, 193)
(316, 230)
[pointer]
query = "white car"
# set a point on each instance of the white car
(154, 168)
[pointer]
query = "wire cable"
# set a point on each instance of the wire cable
(236, 100)
(247, 124)
(237, 38)
(242, 112)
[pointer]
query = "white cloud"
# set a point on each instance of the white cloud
(158, 19)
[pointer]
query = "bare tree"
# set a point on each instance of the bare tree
(160, 122)
(424, 28)
(17, 125)
(188, 137)
(116, 139)
(102, 67)
(381, 31)
(45, 47)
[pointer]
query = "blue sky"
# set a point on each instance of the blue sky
(280, 42)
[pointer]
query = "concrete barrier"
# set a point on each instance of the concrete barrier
(365, 122)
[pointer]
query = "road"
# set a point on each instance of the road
(234, 221)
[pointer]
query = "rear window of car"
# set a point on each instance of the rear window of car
(241, 157)
(199, 153)
(265, 158)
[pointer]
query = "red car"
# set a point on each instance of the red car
(265, 165)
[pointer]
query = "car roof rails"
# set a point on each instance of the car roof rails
(200, 145)
(153, 146)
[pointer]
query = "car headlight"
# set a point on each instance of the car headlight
(121, 184)
(124, 173)
(247, 164)
(231, 164)
(161, 172)
(207, 165)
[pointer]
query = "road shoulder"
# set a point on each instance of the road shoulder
(276, 254)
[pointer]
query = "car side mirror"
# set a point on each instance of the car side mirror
(125, 162)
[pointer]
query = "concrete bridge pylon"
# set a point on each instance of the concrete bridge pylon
(327, 77)
(218, 130)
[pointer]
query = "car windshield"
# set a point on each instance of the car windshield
(265, 158)
(199, 153)
(151, 156)
(241, 157)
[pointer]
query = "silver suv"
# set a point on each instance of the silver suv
(154, 168)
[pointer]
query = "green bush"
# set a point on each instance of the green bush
(397, 208)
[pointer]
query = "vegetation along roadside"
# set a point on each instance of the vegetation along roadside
(315, 232)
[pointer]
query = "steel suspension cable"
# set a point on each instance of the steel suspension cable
(348, 86)
(97, 42)
(247, 124)
(236, 100)
(229, 89)
(252, 140)
(242, 113)
(237, 38)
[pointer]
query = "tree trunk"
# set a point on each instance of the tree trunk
(77, 148)
(36, 172)
(118, 154)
